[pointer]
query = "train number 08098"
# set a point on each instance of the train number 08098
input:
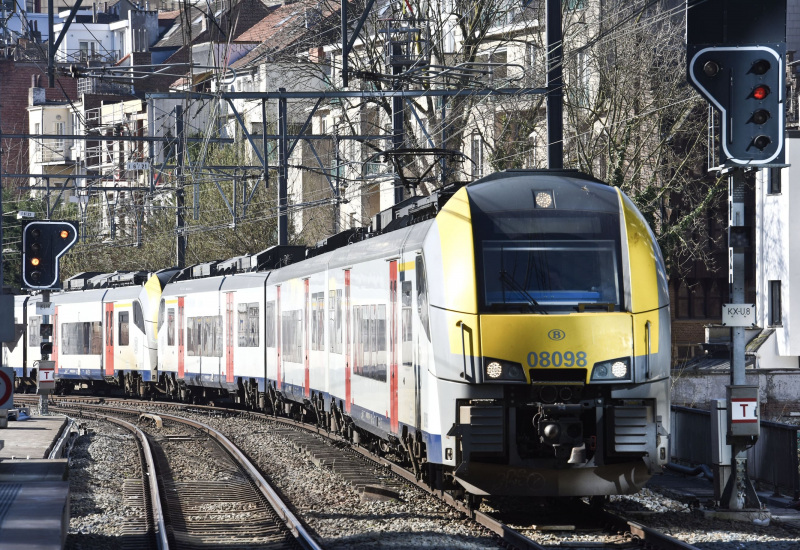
(557, 359)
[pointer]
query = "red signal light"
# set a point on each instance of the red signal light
(760, 92)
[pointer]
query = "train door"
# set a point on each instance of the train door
(109, 356)
(393, 414)
(229, 337)
(181, 345)
(347, 356)
(306, 346)
(279, 326)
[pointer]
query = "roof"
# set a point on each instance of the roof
(297, 26)
(212, 22)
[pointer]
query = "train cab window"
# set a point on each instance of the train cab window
(171, 326)
(123, 339)
(138, 316)
(554, 261)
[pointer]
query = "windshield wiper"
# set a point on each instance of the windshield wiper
(605, 306)
(514, 285)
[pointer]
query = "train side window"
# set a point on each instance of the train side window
(406, 322)
(171, 326)
(34, 337)
(269, 328)
(318, 321)
(248, 325)
(335, 320)
(124, 330)
(161, 308)
(81, 338)
(138, 316)
(422, 295)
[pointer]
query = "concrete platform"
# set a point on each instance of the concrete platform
(34, 491)
(30, 439)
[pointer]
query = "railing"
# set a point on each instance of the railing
(53, 151)
(95, 86)
(83, 56)
(772, 462)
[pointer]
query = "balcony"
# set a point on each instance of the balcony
(56, 152)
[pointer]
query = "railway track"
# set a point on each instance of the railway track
(212, 494)
(376, 477)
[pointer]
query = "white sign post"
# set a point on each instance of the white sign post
(46, 379)
(739, 315)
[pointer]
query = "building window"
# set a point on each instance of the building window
(774, 183)
(699, 298)
(477, 156)
(87, 50)
(775, 313)
(59, 130)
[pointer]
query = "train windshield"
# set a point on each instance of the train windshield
(552, 262)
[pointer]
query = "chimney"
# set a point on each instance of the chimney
(36, 94)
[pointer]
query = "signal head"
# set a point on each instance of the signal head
(761, 92)
(761, 116)
(760, 67)
(711, 68)
(761, 142)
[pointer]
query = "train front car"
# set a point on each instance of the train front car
(552, 305)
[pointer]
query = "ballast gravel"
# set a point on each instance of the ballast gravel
(335, 512)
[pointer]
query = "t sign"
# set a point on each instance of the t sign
(47, 375)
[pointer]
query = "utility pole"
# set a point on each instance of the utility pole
(180, 235)
(283, 172)
(555, 86)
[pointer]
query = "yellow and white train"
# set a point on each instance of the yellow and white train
(508, 337)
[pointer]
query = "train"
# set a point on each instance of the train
(510, 336)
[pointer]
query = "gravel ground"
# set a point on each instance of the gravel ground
(339, 517)
(101, 458)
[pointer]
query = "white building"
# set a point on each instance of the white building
(778, 260)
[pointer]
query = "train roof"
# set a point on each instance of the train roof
(568, 189)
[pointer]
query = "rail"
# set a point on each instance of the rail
(291, 521)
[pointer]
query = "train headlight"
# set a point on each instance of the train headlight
(494, 370)
(497, 370)
(615, 370)
(619, 369)
(544, 199)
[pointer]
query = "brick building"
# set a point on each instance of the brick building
(16, 78)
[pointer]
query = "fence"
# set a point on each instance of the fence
(772, 463)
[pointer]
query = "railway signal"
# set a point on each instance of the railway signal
(43, 244)
(746, 84)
